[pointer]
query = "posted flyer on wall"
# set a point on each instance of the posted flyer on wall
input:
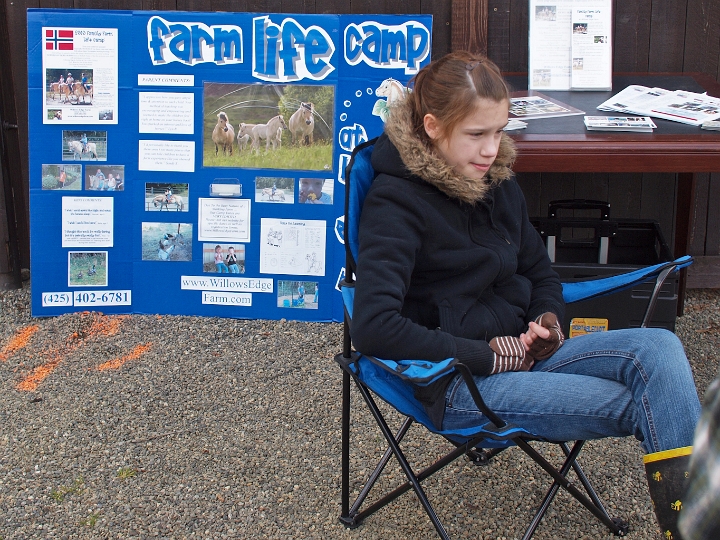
(569, 45)
(192, 163)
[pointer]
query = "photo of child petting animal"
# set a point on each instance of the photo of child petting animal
(268, 126)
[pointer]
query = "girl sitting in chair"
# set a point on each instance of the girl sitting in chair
(458, 271)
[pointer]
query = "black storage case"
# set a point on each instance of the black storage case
(628, 244)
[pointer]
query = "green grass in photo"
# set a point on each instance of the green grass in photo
(316, 157)
(80, 271)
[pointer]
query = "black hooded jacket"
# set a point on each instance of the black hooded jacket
(438, 276)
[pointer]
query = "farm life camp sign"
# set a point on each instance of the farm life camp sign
(193, 163)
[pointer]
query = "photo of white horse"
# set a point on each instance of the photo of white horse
(276, 126)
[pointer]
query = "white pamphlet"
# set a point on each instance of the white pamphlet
(568, 36)
(632, 99)
(591, 48)
(678, 106)
(80, 75)
(620, 123)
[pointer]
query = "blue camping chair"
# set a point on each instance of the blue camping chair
(393, 382)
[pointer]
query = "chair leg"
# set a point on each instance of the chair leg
(404, 464)
(345, 458)
(379, 469)
(616, 526)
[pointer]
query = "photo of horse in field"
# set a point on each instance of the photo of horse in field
(302, 124)
(223, 135)
(275, 126)
(271, 132)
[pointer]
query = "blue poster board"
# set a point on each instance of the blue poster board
(192, 163)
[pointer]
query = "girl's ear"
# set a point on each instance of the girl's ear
(432, 126)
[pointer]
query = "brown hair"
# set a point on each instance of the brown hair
(449, 87)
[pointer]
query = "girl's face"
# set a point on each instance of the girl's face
(473, 145)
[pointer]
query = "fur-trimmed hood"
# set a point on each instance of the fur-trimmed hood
(422, 161)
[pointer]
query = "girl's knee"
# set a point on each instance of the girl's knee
(664, 342)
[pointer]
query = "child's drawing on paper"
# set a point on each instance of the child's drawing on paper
(392, 90)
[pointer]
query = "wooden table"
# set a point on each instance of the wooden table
(564, 145)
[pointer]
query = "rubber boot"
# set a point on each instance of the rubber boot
(667, 474)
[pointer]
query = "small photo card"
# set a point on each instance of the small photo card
(87, 269)
(297, 294)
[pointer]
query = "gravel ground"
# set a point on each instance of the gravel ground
(185, 427)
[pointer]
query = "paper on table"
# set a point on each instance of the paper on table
(532, 104)
(619, 123)
(685, 107)
(632, 99)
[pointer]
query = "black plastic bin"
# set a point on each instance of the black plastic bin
(583, 249)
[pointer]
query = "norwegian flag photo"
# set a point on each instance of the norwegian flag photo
(59, 40)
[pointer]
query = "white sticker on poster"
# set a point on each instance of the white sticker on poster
(222, 283)
(290, 246)
(224, 219)
(87, 222)
(171, 156)
(167, 112)
(227, 298)
(148, 79)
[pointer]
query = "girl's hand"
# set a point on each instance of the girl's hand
(509, 354)
(543, 337)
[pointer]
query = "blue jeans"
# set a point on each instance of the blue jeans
(605, 384)
(221, 268)
(234, 268)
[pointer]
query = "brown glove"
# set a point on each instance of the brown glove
(542, 349)
(509, 355)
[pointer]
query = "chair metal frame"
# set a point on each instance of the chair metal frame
(353, 515)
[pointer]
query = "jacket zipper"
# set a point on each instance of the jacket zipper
(500, 234)
(492, 222)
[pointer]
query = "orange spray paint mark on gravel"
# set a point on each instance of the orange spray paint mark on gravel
(18, 341)
(117, 363)
(102, 325)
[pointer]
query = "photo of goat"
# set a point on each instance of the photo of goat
(272, 126)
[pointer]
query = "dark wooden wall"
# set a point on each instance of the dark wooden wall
(649, 35)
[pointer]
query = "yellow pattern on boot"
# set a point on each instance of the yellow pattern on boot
(667, 454)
